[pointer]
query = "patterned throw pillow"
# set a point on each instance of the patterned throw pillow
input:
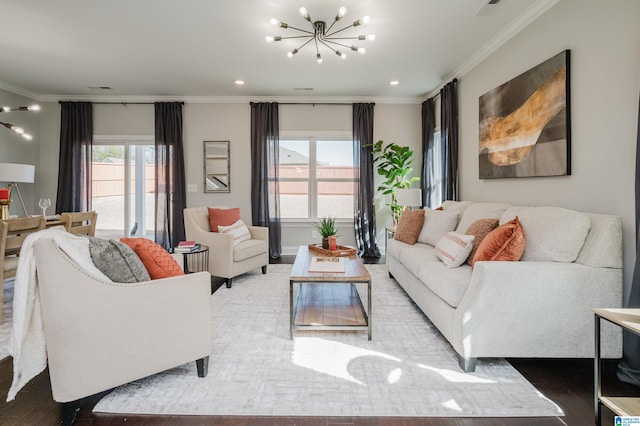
(409, 226)
(238, 230)
(117, 261)
(479, 229)
(506, 242)
(453, 248)
(224, 217)
(158, 261)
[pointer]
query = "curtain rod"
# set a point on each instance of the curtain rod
(121, 103)
(320, 103)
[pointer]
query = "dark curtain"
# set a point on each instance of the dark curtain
(364, 209)
(265, 196)
(629, 367)
(74, 163)
(428, 177)
(449, 138)
(171, 197)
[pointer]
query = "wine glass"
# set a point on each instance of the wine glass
(44, 204)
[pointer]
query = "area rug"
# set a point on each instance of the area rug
(5, 327)
(407, 369)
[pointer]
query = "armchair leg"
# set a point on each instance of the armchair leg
(229, 282)
(264, 269)
(202, 365)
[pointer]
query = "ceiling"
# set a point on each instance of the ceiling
(197, 48)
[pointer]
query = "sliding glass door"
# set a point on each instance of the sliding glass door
(123, 188)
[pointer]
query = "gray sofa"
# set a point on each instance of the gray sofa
(538, 307)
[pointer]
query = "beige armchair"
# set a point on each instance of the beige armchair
(226, 260)
(102, 334)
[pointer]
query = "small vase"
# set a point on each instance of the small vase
(325, 243)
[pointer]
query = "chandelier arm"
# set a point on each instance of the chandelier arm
(326, 45)
(306, 42)
(335, 42)
(301, 30)
(340, 30)
(300, 36)
(330, 26)
(342, 38)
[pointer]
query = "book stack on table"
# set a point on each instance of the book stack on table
(187, 247)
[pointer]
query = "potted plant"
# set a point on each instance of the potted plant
(327, 228)
(394, 164)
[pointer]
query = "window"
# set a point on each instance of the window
(316, 178)
(438, 167)
(123, 183)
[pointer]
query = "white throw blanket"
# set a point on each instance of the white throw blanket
(27, 345)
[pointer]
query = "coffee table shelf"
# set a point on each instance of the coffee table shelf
(328, 300)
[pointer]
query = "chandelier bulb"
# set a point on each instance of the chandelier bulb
(274, 21)
(366, 19)
(371, 37)
(293, 52)
(6, 109)
(304, 13)
(341, 12)
(269, 39)
(27, 136)
(18, 130)
(34, 107)
(319, 58)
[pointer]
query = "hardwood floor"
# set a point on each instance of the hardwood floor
(569, 383)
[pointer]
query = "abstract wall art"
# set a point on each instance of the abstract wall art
(525, 124)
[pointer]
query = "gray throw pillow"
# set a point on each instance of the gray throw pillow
(117, 261)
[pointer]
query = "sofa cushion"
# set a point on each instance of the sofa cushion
(224, 217)
(158, 261)
(415, 257)
(480, 211)
(603, 246)
(506, 242)
(453, 248)
(553, 233)
(449, 284)
(249, 248)
(436, 224)
(409, 226)
(117, 261)
(479, 229)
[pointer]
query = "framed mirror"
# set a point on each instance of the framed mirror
(216, 166)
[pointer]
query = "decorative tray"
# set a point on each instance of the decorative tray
(342, 250)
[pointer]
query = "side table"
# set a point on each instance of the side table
(195, 261)
(628, 319)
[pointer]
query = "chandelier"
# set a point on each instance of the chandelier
(17, 129)
(321, 34)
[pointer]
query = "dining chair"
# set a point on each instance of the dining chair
(80, 223)
(12, 235)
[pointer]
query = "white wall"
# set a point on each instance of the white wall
(604, 39)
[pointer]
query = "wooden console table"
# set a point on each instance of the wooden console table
(628, 319)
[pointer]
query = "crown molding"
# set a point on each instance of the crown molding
(19, 91)
(520, 23)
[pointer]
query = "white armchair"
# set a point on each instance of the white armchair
(226, 260)
(101, 334)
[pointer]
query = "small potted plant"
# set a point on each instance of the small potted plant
(327, 228)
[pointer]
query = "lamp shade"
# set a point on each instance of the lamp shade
(12, 172)
(409, 197)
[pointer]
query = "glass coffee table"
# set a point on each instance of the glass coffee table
(328, 300)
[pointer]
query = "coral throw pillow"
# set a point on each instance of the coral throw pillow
(224, 217)
(158, 261)
(238, 231)
(409, 226)
(506, 242)
(479, 229)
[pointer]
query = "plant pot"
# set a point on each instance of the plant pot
(325, 243)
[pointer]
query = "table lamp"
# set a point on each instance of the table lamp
(409, 197)
(14, 174)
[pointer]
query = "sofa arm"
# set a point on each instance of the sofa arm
(536, 309)
(259, 233)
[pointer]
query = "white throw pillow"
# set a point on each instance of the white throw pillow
(238, 230)
(453, 248)
(436, 224)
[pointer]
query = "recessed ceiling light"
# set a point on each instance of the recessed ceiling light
(394, 82)
(239, 82)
